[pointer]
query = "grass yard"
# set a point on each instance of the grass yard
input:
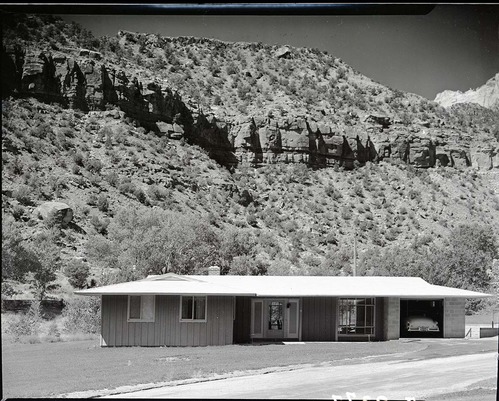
(50, 369)
(484, 318)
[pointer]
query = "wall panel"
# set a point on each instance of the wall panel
(318, 319)
(167, 328)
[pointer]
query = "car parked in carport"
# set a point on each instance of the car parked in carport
(421, 323)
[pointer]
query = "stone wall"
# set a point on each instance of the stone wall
(392, 319)
(454, 319)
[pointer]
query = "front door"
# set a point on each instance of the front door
(275, 318)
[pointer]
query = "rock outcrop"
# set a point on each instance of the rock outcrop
(487, 95)
(81, 79)
(61, 212)
(85, 83)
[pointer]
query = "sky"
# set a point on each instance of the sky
(452, 47)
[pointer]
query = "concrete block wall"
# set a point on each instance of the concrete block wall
(454, 321)
(392, 319)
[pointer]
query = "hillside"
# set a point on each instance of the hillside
(177, 153)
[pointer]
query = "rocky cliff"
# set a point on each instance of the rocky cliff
(77, 78)
(83, 79)
(486, 95)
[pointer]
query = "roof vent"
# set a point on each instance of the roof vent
(213, 271)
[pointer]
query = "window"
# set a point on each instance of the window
(275, 315)
(141, 308)
(356, 316)
(192, 309)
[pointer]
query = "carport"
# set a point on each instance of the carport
(413, 310)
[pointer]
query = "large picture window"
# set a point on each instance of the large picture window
(192, 309)
(141, 308)
(356, 316)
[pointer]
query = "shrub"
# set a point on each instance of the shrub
(75, 169)
(346, 213)
(251, 220)
(17, 166)
(28, 324)
(93, 165)
(23, 194)
(357, 190)
(82, 315)
(103, 203)
(77, 273)
(99, 225)
(92, 200)
(113, 178)
(157, 193)
(126, 186)
(18, 211)
(78, 159)
(141, 196)
(53, 334)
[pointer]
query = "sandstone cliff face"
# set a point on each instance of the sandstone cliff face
(80, 79)
(487, 95)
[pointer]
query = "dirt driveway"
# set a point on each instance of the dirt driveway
(399, 379)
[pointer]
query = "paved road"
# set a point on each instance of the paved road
(398, 379)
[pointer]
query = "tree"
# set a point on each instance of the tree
(236, 243)
(27, 324)
(156, 241)
(395, 261)
(48, 254)
(82, 315)
(246, 265)
(34, 262)
(77, 273)
(465, 261)
(17, 258)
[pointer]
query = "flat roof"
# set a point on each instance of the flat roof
(284, 286)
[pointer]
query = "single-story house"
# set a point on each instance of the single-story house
(201, 310)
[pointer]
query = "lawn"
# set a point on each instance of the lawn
(50, 369)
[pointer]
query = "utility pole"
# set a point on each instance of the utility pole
(355, 253)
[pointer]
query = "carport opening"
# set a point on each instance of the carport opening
(421, 318)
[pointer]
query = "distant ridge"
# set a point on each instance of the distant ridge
(486, 95)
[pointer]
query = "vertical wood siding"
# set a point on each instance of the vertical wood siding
(319, 319)
(242, 322)
(166, 329)
(379, 318)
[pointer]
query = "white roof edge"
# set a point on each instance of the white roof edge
(89, 294)
(284, 286)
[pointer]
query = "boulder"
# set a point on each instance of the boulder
(283, 52)
(459, 159)
(61, 211)
(481, 158)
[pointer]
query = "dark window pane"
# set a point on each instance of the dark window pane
(369, 316)
(275, 315)
(187, 307)
(360, 316)
(135, 304)
(199, 308)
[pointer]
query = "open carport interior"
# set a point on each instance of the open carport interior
(421, 313)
